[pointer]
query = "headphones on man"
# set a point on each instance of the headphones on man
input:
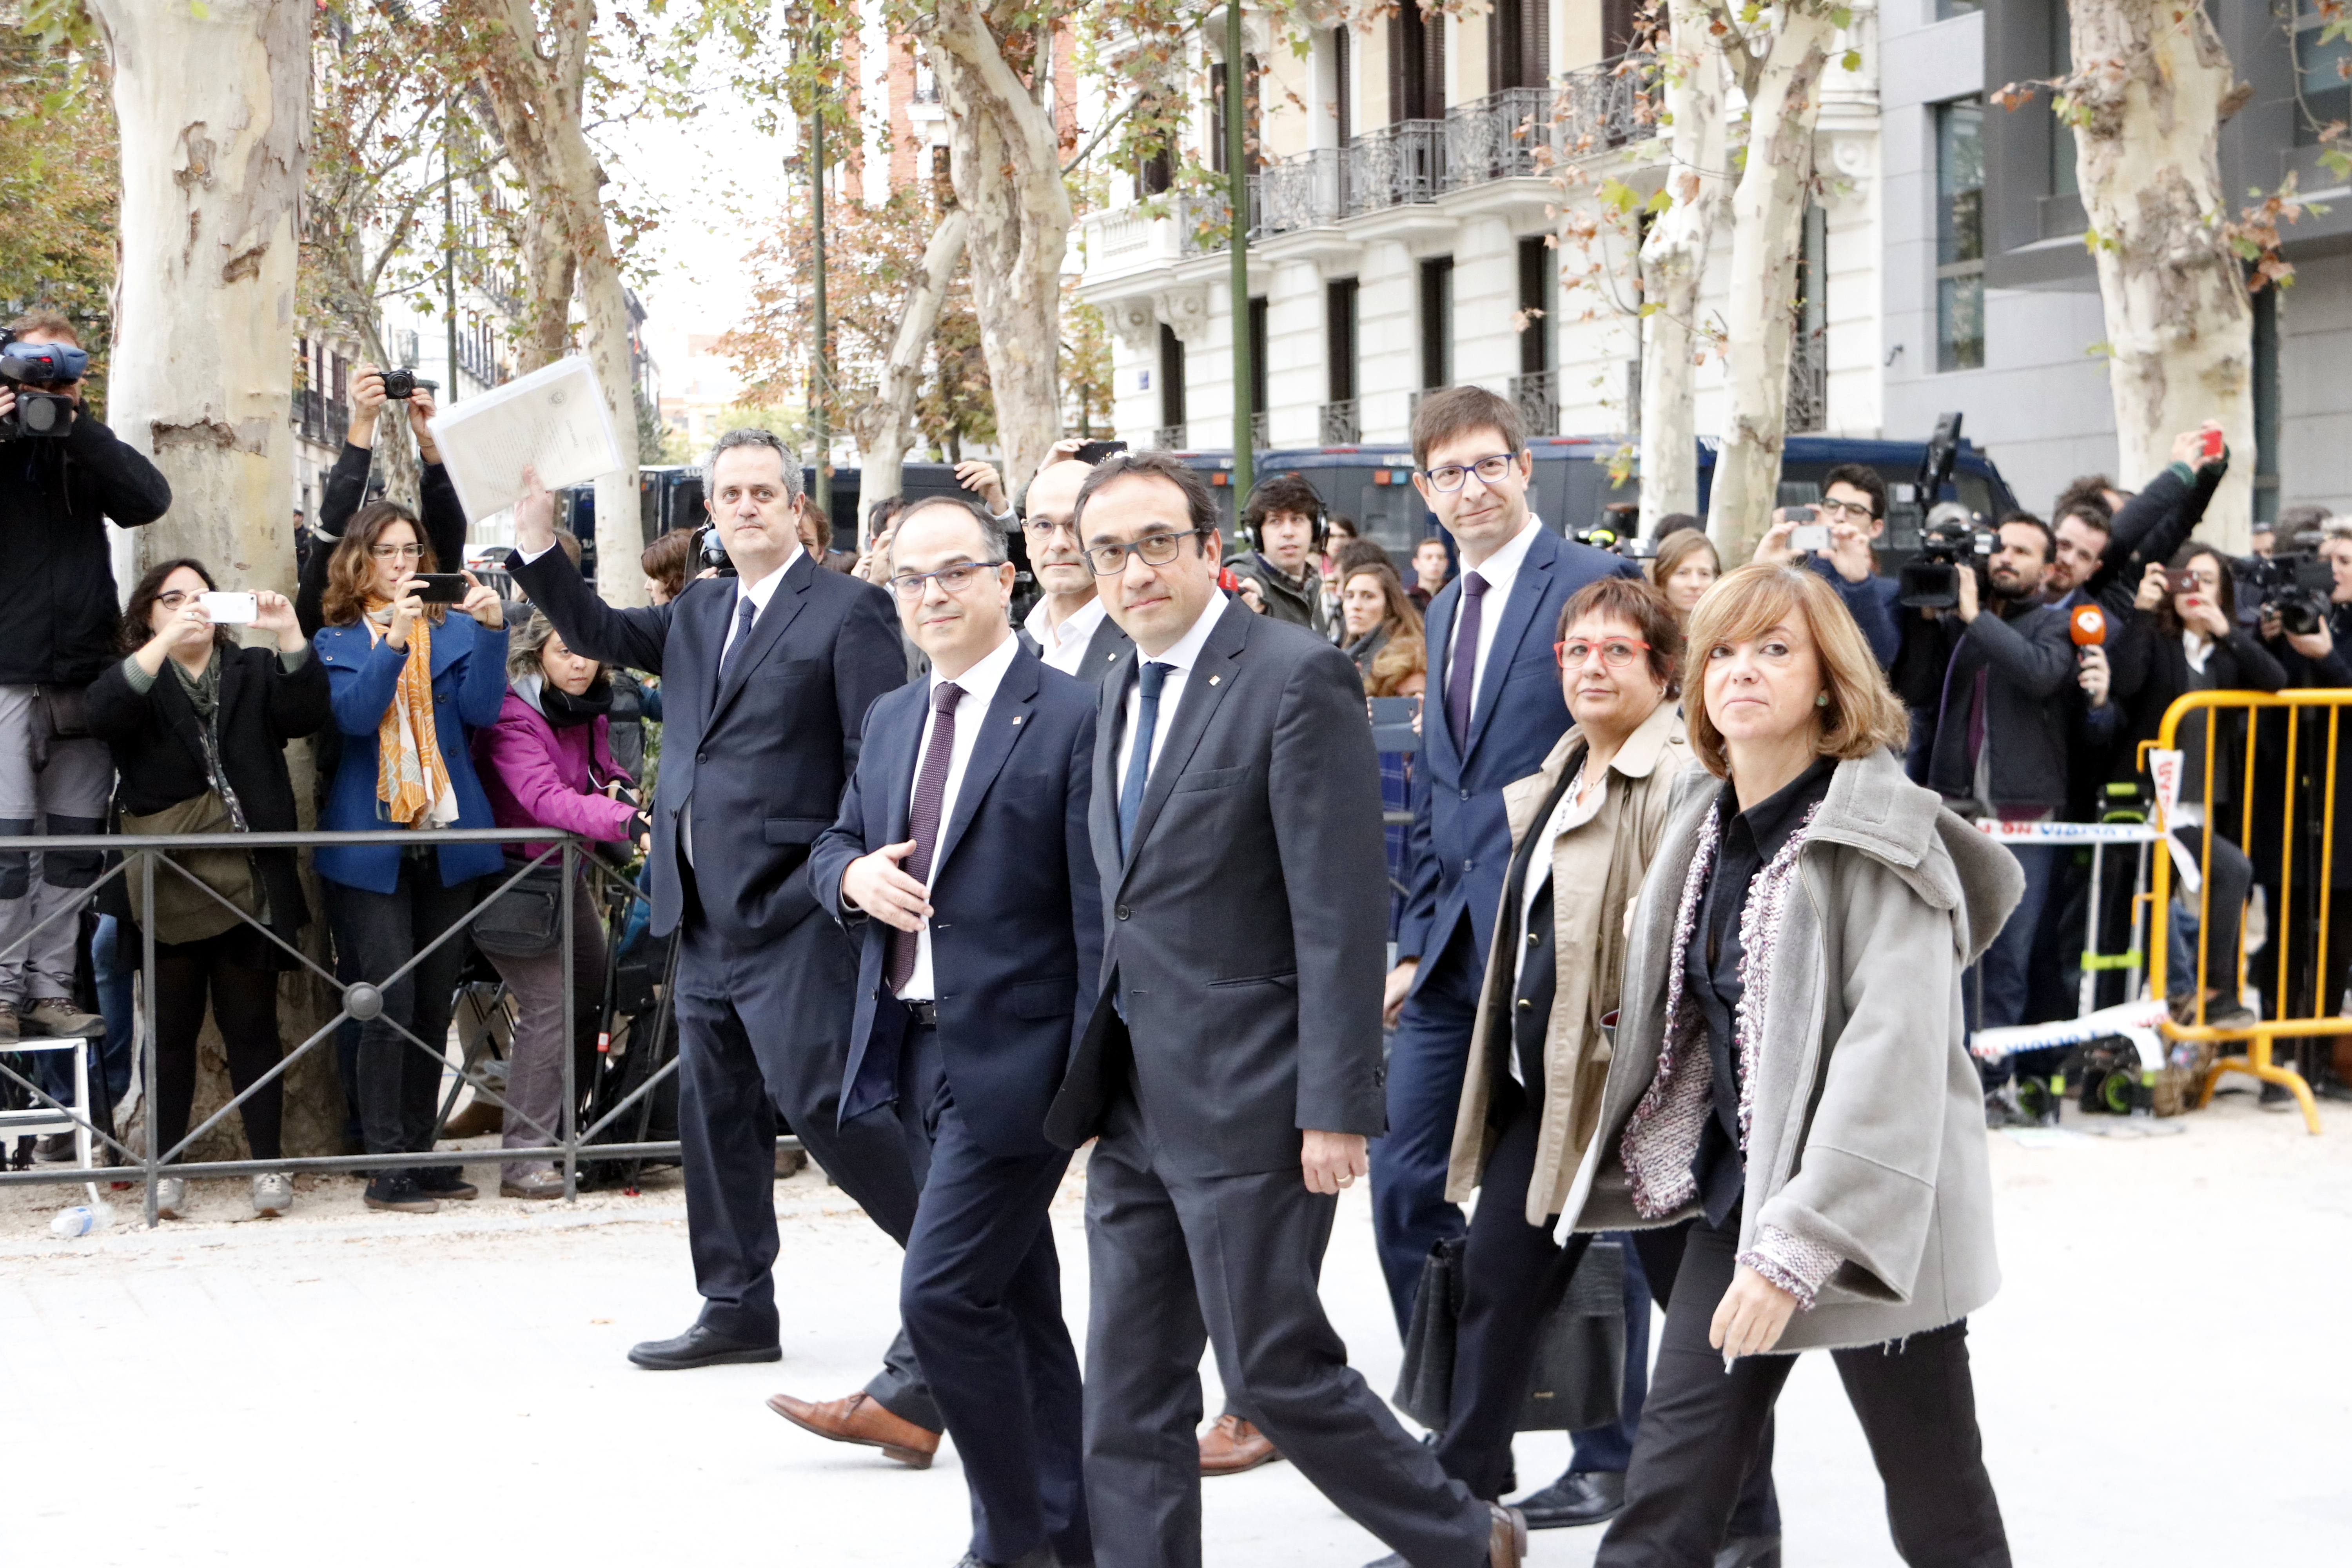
(1254, 534)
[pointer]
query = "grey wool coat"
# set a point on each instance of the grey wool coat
(1868, 1134)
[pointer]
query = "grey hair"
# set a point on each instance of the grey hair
(753, 435)
(996, 549)
(527, 648)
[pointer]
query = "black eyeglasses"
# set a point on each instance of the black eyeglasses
(1448, 476)
(1157, 550)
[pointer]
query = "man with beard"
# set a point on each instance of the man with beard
(2000, 738)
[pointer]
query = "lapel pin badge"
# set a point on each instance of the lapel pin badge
(1214, 679)
(1016, 718)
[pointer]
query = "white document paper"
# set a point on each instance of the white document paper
(553, 420)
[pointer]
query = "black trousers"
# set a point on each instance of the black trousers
(234, 968)
(1183, 1262)
(982, 1299)
(761, 1032)
(1702, 1425)
(400, 1080)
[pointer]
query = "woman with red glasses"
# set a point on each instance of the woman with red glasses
(1583, 827)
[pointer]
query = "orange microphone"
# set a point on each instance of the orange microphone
(2087, 625)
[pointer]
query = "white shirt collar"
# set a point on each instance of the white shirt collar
(760, 591)
(981, 681)
(1186, 652)
(1498, 569)
(1079, 627)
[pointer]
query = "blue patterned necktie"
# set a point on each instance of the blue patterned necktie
(1139, 765)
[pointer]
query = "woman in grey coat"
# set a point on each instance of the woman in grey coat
(1790, 1082)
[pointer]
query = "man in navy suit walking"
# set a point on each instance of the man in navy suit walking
(767, 676)
(1492, 713)
(961, 863)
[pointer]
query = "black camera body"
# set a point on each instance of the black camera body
(38, 414)
(2298, 587)
(1954, 540)
(710, 551)
(402, 384)
(1631, 545)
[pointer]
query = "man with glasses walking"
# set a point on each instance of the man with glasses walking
(1068, 628)
(1493, 712)
(1231, 1070)
(1853, 508)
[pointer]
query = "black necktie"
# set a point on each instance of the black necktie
(923, 827)
(746, 611)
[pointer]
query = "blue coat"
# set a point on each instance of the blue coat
(1017, 922)
(1461, 841)
(469, 684)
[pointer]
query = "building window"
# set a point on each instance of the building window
(1536, 289)
(1171, 377)
(1959, 235)
(1259, 355)
(1339, 338)
(2063, 180)
(1437, 321)
(1416, 65)
(1947, 9)
(1343, 76)
(2322, 93)
(1518, 43)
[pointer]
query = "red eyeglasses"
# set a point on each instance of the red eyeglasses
(1615, 652)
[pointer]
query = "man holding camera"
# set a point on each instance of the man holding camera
(2001, 738)
(59, 608)
(1835, 540)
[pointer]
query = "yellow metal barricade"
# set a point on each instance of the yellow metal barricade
(2259, 1038)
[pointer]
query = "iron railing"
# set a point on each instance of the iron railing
(1537, 398)
(1502, 136)
(1261, 429)
(1396, 165)
(1809, 381)
(1168, 438)
(362, 999)
(1343, 423)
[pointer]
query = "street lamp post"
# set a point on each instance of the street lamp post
(821, 382)
(1237, 201)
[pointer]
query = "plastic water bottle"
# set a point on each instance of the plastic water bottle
(80, 1220)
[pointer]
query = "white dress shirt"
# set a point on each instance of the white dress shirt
(759, 592)
(1498, 571)
(980, 683)
(1180, 659)
(1064, 648)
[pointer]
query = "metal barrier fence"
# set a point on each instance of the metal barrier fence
(363, 1000)
(2305, 841)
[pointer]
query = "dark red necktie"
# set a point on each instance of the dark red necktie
(930, 788)
(1462, 673)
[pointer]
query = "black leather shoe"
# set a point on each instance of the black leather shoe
(700, 1346)
(1579, 1497)
(1749, 1552)
(1042, 1558)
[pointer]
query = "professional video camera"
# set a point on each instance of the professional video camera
(39, 414)
(710, 551)
(2297, 585)
(1952, 539)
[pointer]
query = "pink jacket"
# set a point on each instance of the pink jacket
(540, 776)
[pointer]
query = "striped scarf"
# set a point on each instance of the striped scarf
(412, 780)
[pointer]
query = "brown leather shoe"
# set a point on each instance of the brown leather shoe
(1232, 1445)
(1507, 1543)
(860, 1420)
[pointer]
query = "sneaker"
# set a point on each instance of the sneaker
(171, 1198)
(59, 1020)
(54, 1149)
(446, 1182)
(533, 1184)
(399, 1191)
(273, 1194)
(8, 1030)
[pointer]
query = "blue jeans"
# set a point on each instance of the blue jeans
(1998, 995)
(111, 1071)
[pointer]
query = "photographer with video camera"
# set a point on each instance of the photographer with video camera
(439, 511)
(1999, 746)
(66, 475)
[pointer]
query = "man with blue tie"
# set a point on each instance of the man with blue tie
(1493, 714)
(960, 863)
(767, 676)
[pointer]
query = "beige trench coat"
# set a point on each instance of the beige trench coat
(1596, 872)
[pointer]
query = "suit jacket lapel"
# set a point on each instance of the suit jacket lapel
(1437, 738)
(1008, 715)
(1211, 678)
(1527, 589)
(1102, 815)
(1103, 647)
(897, 748)
(766, 627)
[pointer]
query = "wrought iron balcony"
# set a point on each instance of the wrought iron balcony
(1605, 105)
(1396, 165)
(1537, 398)
(1809, 382)
(1261, 430)
(1307, 190)
(1168, 438)
(1343, 424)
(1498, 137)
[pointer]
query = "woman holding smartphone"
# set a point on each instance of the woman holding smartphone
(411, 683)
(1792, 1084)
(198, 727)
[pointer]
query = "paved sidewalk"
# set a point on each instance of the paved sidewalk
(356, 1390)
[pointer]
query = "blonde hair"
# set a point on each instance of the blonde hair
(1862, 713)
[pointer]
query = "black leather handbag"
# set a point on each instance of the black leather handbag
(527, 920)
(1580, 1367)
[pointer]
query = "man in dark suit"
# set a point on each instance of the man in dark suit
(961, 862)
(1493, 712)
(1231, 1069)
(1068, 628)
(767, 676)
